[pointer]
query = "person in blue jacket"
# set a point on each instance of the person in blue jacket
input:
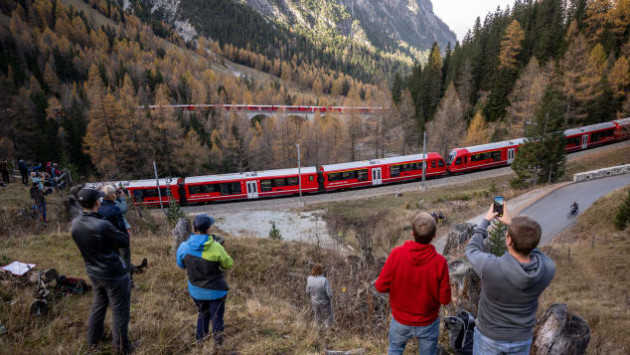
(204, 260)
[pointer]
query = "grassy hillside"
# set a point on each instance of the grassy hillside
(592, 275)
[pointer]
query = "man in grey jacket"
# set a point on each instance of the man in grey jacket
(510, 285)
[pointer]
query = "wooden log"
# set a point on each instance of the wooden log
(560, 332)
(181, 232)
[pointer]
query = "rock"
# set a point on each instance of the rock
(181, 232)
(457, 237)
(560, 332)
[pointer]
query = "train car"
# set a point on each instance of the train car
(145, 192)
(250, 185)
(623, 128)
(484, 156)
(590, 136)
(380, 171)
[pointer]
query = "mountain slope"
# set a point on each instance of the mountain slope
(369, 39)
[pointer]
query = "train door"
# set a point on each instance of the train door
(377, 178)
(252, 189)
(510, 157)
(182, 194)
(585, 141)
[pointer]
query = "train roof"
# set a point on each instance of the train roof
(593, 127)
(97, 185)
(260, 174)
(366, 163)
(623, 121)
(495, 145)
(151, 183)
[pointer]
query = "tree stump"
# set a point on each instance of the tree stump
(560, 332)
(181, 232)
(457, 237)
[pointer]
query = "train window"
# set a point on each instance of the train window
(230, 188)
(598, 136)
(265, 185)
(362, 175)
(496, 156)
(196, 189)
(311, 178)
(137, 196)
(458, 161)
(465, 160)
(394, 170)
(279, 182)
(334, 176)
(451, 157)
(433, 163)
(573, 141)
(441, 163)
(292, 181)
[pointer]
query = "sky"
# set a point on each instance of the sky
(460, 15)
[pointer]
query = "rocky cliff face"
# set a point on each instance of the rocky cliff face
(389, 25)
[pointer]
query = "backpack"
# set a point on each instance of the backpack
(460, 332)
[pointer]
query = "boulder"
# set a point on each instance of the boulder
(457, 238)
(181, 232)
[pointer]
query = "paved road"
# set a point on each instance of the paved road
(293, 202)
(551, 211)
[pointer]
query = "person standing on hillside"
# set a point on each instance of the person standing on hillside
(121, 203)
(204, 260)
(23, 171)
(321, 293)
(417, 280)
(4, 168)
(510, 285)
(112, 213)
(99, 243)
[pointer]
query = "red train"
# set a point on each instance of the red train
(331, 177)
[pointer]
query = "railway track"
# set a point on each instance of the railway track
(294, 202)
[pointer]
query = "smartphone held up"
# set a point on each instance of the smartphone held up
(498, 205)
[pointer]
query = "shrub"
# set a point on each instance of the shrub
(622, 219)
(274, 233)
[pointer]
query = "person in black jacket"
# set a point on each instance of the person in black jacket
(114, 215)
(23, 171)
(99, 242)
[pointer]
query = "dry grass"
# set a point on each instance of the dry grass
(594, 281)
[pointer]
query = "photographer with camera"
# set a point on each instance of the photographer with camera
(510, 284)
(204, 259)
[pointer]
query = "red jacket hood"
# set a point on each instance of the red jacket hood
(420, 253)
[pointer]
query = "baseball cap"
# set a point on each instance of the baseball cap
(87, 197)
(202, 222)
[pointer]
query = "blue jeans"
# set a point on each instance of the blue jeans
(210, 310)
(483, 345)
(427, 337)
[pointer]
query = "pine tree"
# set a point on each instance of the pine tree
(622, 218)
(542, 157)
(496, 238)
(274, 233)
(511, 46)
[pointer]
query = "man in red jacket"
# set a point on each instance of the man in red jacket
(417, 280)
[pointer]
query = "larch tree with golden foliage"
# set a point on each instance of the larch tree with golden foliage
(106, 130)
(619, 77)
(597, 16)
(525, 97)
(511, 46)
(448, 127)
(580, 81)
(477, 131)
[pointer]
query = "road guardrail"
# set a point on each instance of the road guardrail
(601, 173)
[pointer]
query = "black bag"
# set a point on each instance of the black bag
(460, 332)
